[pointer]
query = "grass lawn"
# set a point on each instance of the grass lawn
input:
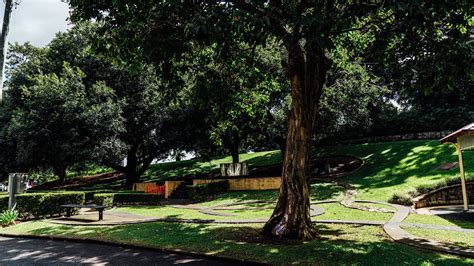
(440, 220)
(390, 167)
(399, 166)
(333, 211)
(458, 238)
(338, 244)
(176, 170)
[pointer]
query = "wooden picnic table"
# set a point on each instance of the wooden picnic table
(70, 207)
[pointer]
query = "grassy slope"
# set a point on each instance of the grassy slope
(390, 166)
(399, 166)
(338, 244)
(174, 170)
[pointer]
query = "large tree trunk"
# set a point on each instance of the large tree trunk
(291, 218)
(234, 151)
(3, 40)
(60, 171)
(131, 172)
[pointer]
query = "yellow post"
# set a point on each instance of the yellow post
(463, 179)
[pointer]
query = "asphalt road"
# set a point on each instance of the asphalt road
(18, 251)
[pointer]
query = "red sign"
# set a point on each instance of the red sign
(154, 189)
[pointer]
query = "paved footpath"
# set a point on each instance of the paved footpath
(18, 251)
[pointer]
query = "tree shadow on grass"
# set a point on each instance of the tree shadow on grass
(390, 164)
(461, 219)
(336, 245)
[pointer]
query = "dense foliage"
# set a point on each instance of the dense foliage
(8, 217)
(203, 192)
(99, 112)
(114, 199)
(39, 205)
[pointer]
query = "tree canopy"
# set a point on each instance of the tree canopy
(161, 31)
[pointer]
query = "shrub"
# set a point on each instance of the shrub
(218, 187)
(110, 199)
(401, 199)
(46, 204)
(104, 199)
(8, 217)
(137, 199)
(198, 192)
(204, 191)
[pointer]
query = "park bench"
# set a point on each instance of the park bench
(70, 207)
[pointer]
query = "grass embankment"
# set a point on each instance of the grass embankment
(177, 170)
(338, 244)
(398, 167)
(390, 167)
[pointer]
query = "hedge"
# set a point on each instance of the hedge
(46, 204)
(204, 191)
(110, 199)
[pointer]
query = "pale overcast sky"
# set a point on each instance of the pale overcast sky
(37, 21)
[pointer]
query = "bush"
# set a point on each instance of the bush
(218, 187)
(204, 191)
(104, 199)
(401, 199)
(46, 204)
(8, 217)
(110, 199)
(137, 199)
(198, 192)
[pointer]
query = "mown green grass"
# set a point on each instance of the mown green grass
(337, 244)
(177, 170)
(440, 220)
(461, 239)
(390, 167)
(398, 167)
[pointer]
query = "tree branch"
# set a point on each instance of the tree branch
(248, 7)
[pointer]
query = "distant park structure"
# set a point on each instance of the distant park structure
(463, 138)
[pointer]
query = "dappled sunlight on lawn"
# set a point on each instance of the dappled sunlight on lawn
(336, 243)
(398, 166)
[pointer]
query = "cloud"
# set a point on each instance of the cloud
(37, 21)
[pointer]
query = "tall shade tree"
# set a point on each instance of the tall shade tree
(146, 107)
(9, 4)
(307, 30)
(61, 123)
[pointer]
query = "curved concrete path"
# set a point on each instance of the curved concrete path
(393, 229)
(20, 251)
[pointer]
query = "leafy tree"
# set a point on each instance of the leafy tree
(350, 102)
(147, 109)
(306, 29)
(236, 94)
(61, 123)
